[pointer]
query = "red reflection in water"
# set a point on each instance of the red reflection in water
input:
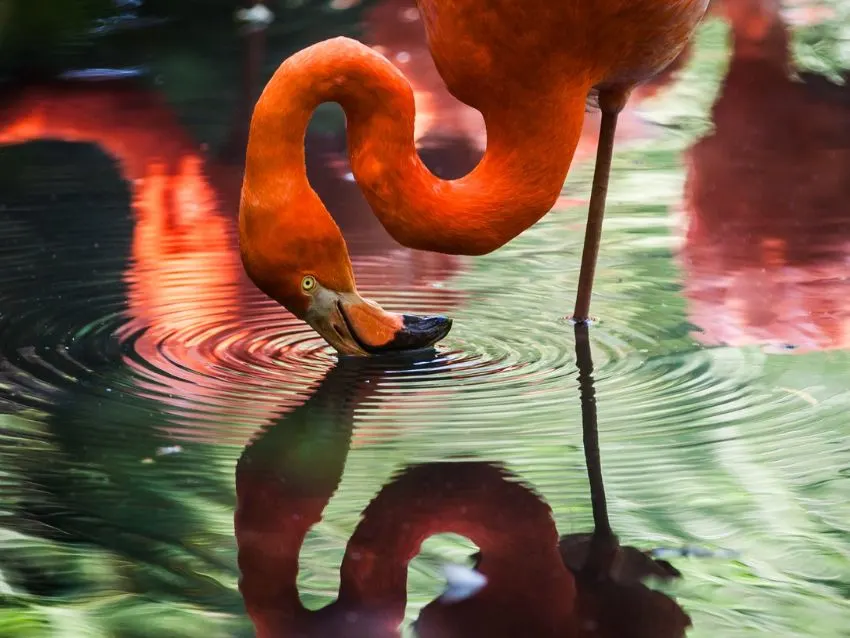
(767, 247)
(536, 586)
(184, 269)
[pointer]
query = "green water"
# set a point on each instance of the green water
(137, 361)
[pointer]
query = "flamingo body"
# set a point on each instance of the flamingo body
(488, 51)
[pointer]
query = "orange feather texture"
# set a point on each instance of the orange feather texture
(526, 65)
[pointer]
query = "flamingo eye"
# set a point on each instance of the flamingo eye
(308, 284)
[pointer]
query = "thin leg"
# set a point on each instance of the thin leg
(611, 103)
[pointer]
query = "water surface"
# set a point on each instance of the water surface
(138, 363)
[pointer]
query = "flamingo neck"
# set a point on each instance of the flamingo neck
(531, 141)
(511, 525)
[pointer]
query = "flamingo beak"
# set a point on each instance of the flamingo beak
(360, 327)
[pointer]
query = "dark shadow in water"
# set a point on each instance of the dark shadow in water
(584, 585)
(767, 246)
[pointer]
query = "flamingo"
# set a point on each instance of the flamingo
(528, 67)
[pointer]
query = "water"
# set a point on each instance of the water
(138, 364)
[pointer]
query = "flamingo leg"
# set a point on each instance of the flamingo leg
(611, 102)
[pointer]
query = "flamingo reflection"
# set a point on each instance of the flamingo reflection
(535, 585)
(767, 245)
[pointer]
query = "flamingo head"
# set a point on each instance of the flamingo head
(311, 276)
(357, 326)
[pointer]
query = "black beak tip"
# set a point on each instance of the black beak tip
(435, 327)
(419, 332)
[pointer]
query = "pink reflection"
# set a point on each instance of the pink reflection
(184, 273)
(183, 268)
(767, 247)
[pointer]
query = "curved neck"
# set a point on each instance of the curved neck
(510, 524)
(530, 144)
(268, 555)
(284, 480)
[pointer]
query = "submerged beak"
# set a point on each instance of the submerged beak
(357, 326)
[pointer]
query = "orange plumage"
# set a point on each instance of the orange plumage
(526, 66)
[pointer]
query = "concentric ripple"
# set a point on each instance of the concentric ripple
(179, 325)
(195, 337)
